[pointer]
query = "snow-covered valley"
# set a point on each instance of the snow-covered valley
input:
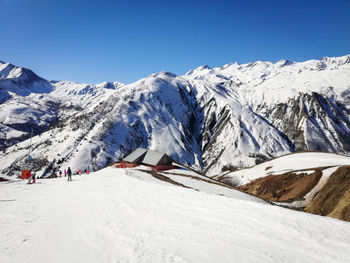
(125, 215)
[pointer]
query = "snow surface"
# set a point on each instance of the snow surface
(110, 216)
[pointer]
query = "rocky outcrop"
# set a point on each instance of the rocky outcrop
(287, 187)
(334, 198)
(312, 122)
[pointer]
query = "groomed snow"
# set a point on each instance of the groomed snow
(111, 216)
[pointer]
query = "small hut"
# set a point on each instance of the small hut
(136, 156)
(156, 160)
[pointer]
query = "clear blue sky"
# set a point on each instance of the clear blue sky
(95, 41)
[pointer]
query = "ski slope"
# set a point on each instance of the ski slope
(124, 215)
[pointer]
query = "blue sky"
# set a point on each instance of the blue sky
(95, 41)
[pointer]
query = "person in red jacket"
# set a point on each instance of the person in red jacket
(24, 174)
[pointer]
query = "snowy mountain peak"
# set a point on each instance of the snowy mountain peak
(284, 62)
(233, 64)
(10, 71)
(109, 85)
(204, 69)
(163, 74)
(7, 70)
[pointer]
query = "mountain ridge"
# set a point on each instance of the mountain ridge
(236, 115)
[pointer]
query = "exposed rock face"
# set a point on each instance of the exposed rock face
(312, 122)
(288, 187)
(334, 198)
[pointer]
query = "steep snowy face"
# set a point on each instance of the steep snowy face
(305, 104)
(155, 113)
(159, 112)
(231, 133)
(312, 122)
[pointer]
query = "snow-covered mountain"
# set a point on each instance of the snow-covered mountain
(210, 118)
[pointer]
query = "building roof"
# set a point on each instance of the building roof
(152, 157)
(135, 155)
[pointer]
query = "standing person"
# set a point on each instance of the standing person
(60, 173)
(69, 173)
(29, 177)
(33, 178)
(25, 174)
(65, 172)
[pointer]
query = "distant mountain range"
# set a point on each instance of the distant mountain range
(212, 119)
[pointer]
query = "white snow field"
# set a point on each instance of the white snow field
(118, 215)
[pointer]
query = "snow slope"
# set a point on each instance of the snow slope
(114, 216)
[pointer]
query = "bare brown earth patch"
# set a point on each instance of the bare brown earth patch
(209, 180)
(287, 187)
(334, 198)
(165, 179)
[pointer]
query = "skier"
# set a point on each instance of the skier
(60, 173)
(69, 173)
(33, 178)
(65, 172)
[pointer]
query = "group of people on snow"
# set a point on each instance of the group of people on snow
(26, 174)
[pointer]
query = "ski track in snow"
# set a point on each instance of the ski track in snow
(111, 216)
